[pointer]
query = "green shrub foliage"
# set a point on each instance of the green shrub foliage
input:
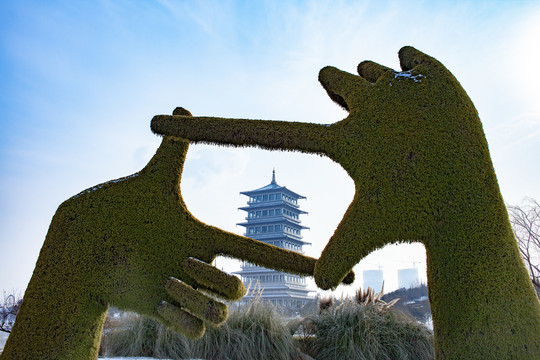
(414, 145)
(132, 243)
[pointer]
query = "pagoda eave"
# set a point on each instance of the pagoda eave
(270, 205)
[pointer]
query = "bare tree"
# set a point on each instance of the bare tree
(8, 311)
(525, 219)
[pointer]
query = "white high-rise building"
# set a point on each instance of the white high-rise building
(408, 278)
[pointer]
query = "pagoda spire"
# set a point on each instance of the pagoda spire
(274, 176)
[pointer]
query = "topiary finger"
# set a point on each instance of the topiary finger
(343, 87)
(224, 285)
(371, 71)
(198, 304)
(181, 321)
(409, 57)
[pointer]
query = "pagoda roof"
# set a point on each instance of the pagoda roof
(272, 186)
(263, 221)
(278, 203)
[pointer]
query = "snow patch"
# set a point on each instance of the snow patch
(408, 75)
(3, 339)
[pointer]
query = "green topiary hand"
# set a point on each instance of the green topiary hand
(118, 244)
(415, 148)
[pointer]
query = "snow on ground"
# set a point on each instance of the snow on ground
(3, 338)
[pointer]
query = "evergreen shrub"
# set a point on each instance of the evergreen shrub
(415, 148)
(133, 244)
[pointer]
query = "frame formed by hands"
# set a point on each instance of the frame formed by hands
(133, 244)
(414, 145)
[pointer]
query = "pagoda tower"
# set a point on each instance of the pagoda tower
(273, 217)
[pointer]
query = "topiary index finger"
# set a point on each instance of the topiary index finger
(207, 276)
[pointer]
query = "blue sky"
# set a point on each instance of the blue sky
(81, 80)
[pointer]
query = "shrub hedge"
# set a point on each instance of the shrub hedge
(414, 145)
(119, 243)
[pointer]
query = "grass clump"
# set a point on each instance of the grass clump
(140, 336)
(348, 330)
(253, 331)
(368, 332)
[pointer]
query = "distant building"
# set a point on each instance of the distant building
(273, 217)
(408, 278)
(373, 279)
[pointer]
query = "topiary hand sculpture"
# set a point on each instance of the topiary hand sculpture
(119, 243)
(415, 148)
